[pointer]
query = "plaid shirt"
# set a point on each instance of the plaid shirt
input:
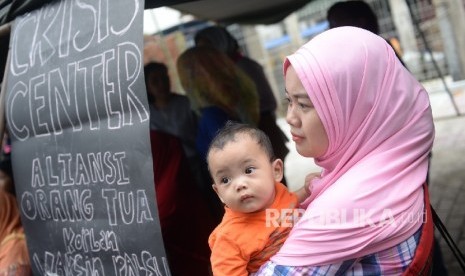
(392, 261)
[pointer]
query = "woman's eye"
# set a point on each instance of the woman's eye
(224, 180)
(249, 170)
(287, 100)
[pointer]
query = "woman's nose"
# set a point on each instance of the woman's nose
(291, 117)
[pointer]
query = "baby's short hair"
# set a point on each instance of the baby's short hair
(228, 134)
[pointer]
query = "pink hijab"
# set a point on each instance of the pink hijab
(380, 129)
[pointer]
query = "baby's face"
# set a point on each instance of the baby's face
(244, 177)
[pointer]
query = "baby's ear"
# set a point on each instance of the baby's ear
(216, 191)
(215, 188)
(278, 169)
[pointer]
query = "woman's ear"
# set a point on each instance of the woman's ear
(278, 169)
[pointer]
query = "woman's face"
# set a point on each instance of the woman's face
(307, 129)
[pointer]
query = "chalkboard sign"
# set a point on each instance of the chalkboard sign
(77, 114)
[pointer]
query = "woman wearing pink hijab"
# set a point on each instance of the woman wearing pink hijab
(368, 124)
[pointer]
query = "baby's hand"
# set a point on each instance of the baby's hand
(306, 190)
(308, 182)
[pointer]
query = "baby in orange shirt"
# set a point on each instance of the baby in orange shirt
(259, 210)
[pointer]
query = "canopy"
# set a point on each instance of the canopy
(241, 11)
(221, 11)
(225, 11)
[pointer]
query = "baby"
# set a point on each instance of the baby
(247, 179)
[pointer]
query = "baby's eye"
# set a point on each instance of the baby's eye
(249, 170)
(225, 180)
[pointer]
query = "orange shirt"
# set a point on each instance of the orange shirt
(241, 243)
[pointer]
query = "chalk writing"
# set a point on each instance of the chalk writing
(57, 31)
(74, 205)
(92, 168)
(77, 115)
(128, 208)
(58, 263)
(86, 241)
(68, 264)
(133, 265)
(53, 102)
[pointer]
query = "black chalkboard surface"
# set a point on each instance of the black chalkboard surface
(78, 117)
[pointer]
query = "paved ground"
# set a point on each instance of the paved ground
(447, 172)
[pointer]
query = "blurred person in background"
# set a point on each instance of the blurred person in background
(6, 175)
(219, 91)
(221, 39)
(171, 113)
(358, 13)
(184, 216)
(14, 258)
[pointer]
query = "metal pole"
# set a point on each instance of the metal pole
(422, 35)
(5, 29)
(3, 100)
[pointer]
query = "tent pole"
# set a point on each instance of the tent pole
(2, 101)
(5, 29)
(417, 25)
